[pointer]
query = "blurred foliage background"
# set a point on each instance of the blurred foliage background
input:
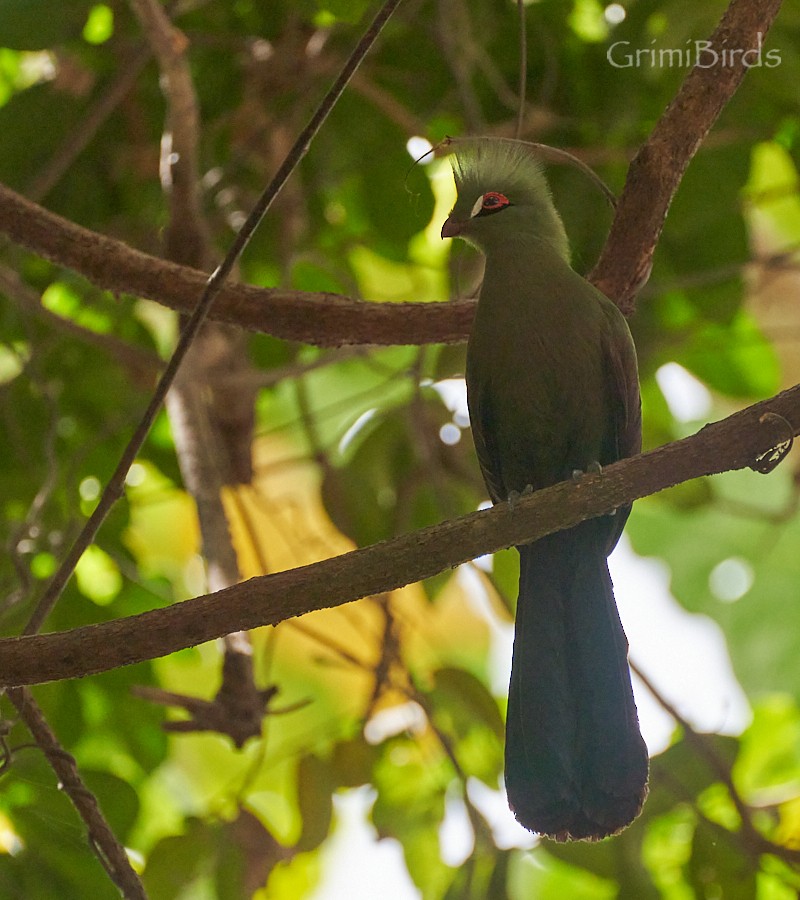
(396, 696)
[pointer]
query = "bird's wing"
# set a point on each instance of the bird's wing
(625, 432)
(624, 435)
(484, 432)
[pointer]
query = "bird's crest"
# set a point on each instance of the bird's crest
(485, 167)
(480, 166)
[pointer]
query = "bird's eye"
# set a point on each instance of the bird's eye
(490, 202)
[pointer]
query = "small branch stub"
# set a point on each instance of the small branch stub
(772, 458)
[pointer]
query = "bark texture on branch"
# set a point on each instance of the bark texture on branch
(326, 319)
(656, 171)
(319, 318)
(740, 441)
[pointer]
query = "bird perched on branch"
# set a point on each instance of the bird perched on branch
(553, 389)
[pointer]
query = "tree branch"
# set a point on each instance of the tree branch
(741, 440)
(656, 171)
(318, 318)
(107, 848)
(211, 289)
(212, 427)
(328, 319)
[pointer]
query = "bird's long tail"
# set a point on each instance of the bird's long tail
(576, 763)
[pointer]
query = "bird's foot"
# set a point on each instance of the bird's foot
(515, 496)
(594, 468)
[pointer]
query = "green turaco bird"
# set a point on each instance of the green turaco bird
(552, 388)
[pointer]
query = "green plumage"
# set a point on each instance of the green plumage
(552, 388)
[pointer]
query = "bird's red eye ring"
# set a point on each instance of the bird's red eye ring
(494, 200)
(490, 202)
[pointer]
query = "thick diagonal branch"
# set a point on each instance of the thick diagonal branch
(737, 442)
(658, 167)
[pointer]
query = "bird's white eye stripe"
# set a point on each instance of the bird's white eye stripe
(477, 206)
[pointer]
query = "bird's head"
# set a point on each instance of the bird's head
(502, 192)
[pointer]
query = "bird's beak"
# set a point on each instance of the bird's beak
(452, 227)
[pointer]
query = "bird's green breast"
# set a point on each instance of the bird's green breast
(537, 383)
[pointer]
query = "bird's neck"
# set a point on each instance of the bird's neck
(526, 260)
(523, 248)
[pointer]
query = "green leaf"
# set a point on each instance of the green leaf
(352, 762)
(344, 10)
(736, 359)
(98, 576)
(682, 772)
(614, 860)
(718, 866)
(505, 576)
(774, 192)
(758, 624)
(667, 848)
(34, 24)
(47, 864)
(466, 693)
(545, 878)
(410, 807)
(314, 800)
(770, 748)
(118, 800)
(178, 861)
(99, 25)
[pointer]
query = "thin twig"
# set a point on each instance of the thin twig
(523, 67)
(141, 363)
(479, 826)
(752, 840)
(102, 839)
(130, 66)
(115, 486)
